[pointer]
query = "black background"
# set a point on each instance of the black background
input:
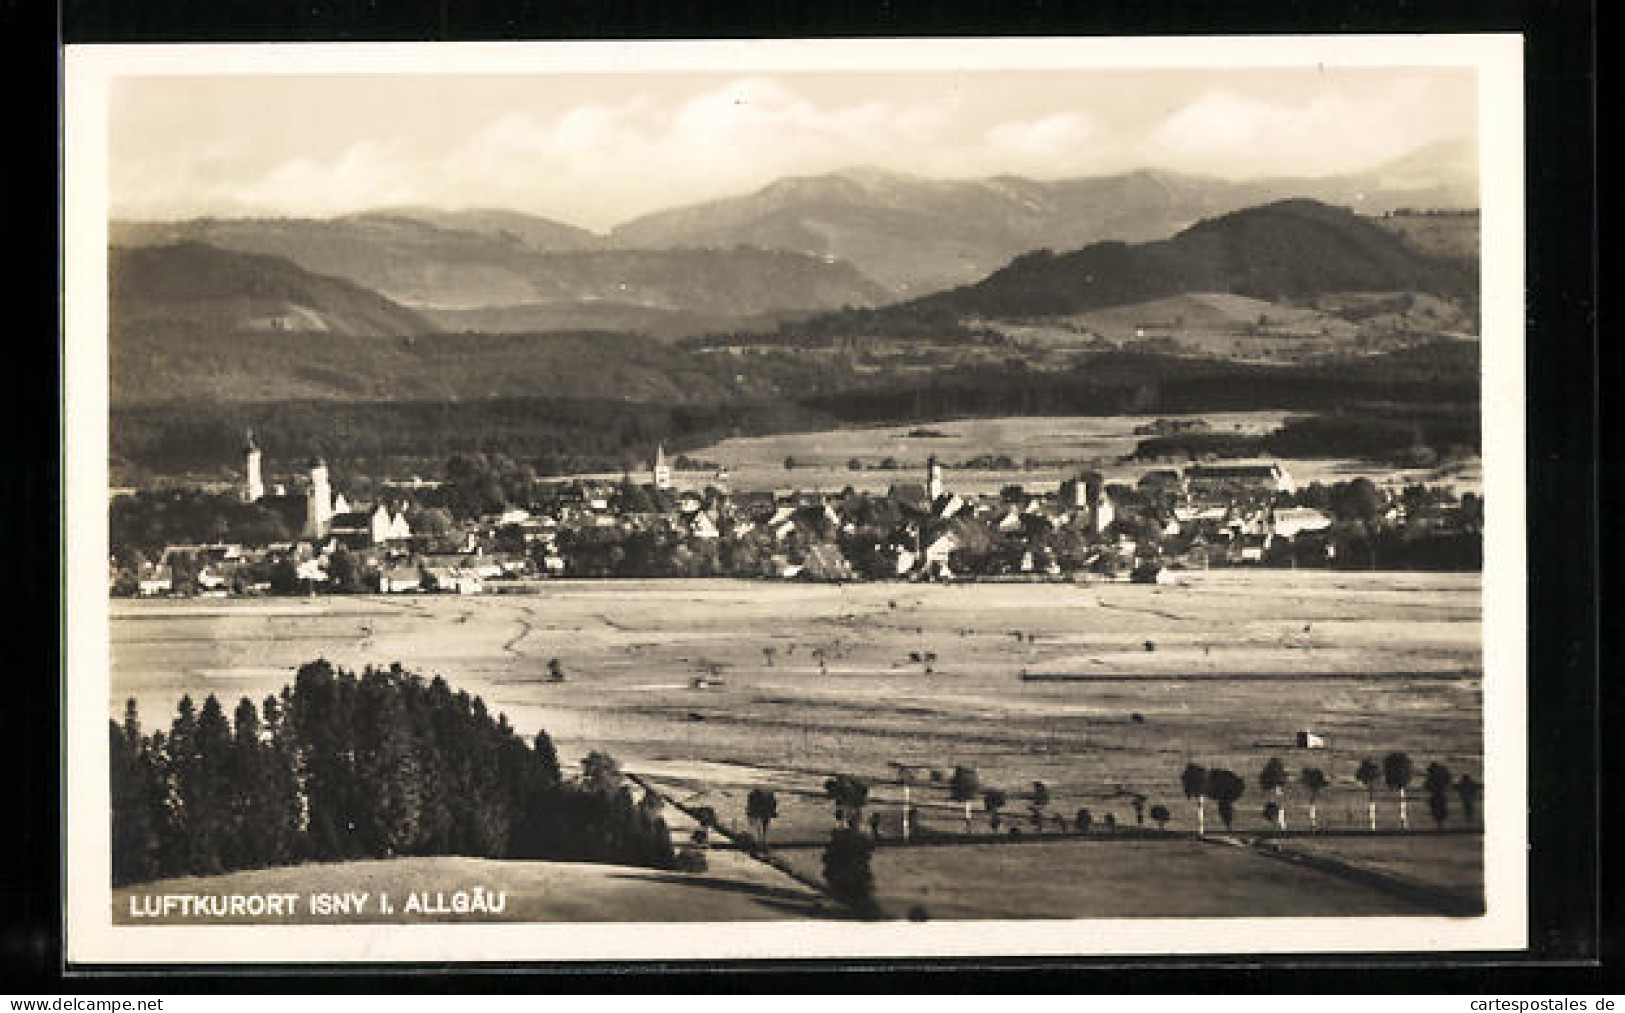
(1570, 953)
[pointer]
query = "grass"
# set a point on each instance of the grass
(1373, 661)
(1450, 862)
(735, 888)
(1176, 878)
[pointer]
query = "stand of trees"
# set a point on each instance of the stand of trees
(149, 520)
(341, 767)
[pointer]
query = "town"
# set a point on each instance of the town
(487, 528)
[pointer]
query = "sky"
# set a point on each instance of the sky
(598, 149)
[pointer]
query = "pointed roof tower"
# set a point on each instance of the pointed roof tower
(661, 470)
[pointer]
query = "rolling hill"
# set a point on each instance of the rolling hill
(1288, 250)
(195, 285)
(532, 231)
(169, 363)
(483, 260)
(192, 321)
(1197, 315)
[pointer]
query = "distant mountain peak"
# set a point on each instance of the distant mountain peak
(874, 175)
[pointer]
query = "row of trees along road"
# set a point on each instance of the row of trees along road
(846, 859)
(850, 795)
(341, 767)
(1396, 772)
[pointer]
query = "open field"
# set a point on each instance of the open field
(735, 888)
(1454, 863)
(1240, 660)
(1174, 878)
(821, 458)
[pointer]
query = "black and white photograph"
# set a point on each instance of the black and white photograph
(716, 500)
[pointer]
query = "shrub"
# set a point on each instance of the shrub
(846, 868)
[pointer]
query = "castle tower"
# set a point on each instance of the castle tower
(253, 484)
(1101, 511)
(318, 501)
(933, 478)
(662, 471)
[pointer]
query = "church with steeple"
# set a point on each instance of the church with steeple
(661, 469)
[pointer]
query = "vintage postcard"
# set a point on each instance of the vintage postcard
(861, 499)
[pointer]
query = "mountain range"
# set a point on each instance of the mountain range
(192, 320)
(527, 272)
(857, 237)
(916, 235)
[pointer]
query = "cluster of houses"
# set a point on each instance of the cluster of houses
(1229, 512)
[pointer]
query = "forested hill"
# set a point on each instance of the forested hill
(194, 284)
(1286, 250)
(495, 261)
(168, 363)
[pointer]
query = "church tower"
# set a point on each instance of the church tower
(318, 501)
(253, 484)
(662, 471)
(933, 478)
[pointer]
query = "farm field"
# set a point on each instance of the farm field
(1454, 863)
(816, 679)
(1176, 878)
(821, 458)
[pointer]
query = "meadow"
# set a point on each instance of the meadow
(1101, 690)
(1061, 446)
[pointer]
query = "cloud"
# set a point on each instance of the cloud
(1316, 133)
(601, 156)
(1057, 136)
(616, 157)
(368, 173)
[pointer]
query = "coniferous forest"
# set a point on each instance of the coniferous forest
(341, 766)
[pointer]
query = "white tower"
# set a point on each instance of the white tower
(1100, 506)
(318, 501)
(253, 484)
(662, 471)
(933, 478)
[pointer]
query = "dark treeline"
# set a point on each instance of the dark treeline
(559, 435)
(1399, 434)
(148, 521)
(895, 323)
(1132, 382)
(341, 767)
(563, 435)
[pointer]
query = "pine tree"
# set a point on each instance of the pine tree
(248, 792)
(285, 815)
(391, 769)
(547, 759)
(134, 833)
(206, 792)
(178, 761)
